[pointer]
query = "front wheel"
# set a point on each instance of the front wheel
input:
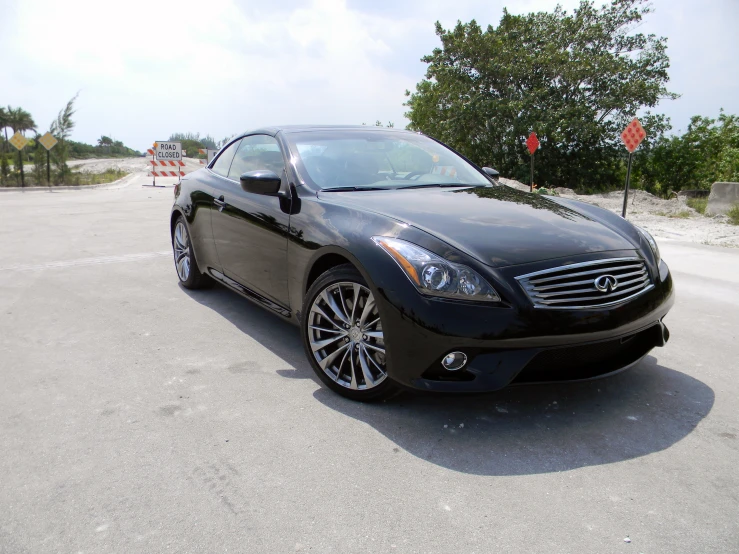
(343, 336)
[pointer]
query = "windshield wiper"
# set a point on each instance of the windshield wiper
(424, 185)
(343, 189)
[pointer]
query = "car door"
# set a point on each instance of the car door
(250, 230)
(204, 190)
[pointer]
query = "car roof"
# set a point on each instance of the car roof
(288, 129)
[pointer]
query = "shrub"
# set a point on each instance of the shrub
(698, 204)
(107, 176)
(733, 214)
(72, 178)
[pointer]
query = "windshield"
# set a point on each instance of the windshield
(376, 159)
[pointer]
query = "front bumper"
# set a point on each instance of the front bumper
(513, 342)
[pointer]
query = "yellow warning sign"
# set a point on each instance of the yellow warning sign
(48, 141)
(18, 140)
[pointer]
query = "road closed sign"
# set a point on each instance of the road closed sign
(168, 151)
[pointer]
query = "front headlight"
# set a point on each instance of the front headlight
(652, 243)
(433, 275)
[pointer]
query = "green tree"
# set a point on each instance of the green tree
(61, 128)
(707, 152)
(207, 141)
(39, 160)
(191, 142)
(19, 120)
(192, 147)
(4, 165)
(105, 143)
(4, 169)
(575, 79)
(223, 142)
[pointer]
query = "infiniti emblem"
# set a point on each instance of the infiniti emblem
(606, 283)
(355, 334)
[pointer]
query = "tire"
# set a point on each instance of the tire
(185, 263)
(348, 358)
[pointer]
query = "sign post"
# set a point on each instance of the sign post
(20, 142)
(48, 141)
(150, 151)
(631, 137)
(532, 143)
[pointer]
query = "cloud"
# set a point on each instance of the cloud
(213, 67)
(224, 66)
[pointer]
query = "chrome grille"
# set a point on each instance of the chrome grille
(575, 286)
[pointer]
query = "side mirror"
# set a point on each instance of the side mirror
(262, 181)
(490, 172)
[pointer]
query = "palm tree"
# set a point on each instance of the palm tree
(61, 128)
(4, 161)
(19, 120)
(39, 159)
(105, 143)
(4, 121)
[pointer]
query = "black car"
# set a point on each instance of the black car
(407, 266)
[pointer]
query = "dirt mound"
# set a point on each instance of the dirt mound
(665, 218)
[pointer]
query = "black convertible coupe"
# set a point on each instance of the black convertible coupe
(407, 266)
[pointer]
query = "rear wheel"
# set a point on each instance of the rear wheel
(343, 336)
(184, 257)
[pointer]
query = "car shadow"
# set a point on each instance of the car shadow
(269, 329)
(517, 431)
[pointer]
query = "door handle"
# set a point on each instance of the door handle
(220, 202)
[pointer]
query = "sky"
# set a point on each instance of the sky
(145, 68)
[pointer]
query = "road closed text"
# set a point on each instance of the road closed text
(169, 151)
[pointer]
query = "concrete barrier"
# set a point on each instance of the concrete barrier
(693, 193)
(723, 197)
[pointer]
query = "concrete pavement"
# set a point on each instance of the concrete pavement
(136, 416)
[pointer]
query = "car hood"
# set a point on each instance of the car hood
(499, 226)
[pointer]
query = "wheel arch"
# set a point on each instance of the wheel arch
(176, 212)
(328, 259)
(370, 262)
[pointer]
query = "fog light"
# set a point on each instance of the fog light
(454, 361)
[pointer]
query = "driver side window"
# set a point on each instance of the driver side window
(257, 152)
(223, 162)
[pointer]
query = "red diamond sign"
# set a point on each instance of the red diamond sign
(532, 143)
(633, 135)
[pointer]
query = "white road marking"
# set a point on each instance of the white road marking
(100, 260)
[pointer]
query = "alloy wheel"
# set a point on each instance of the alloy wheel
(181, 251)
(345, 336)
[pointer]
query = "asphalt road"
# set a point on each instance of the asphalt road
(136, 416)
